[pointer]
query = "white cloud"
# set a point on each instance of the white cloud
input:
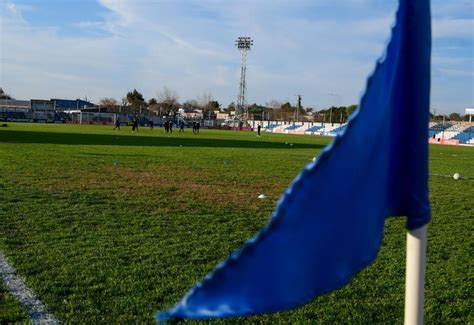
(458, 28)
(188, 46)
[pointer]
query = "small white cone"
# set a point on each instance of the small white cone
(262, 196)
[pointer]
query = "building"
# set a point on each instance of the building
(221, 116)
(56, 104)
(69, 104)
(14, 105)
(42, 105)
(194, 114)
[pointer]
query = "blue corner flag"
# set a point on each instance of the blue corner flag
(329, 223)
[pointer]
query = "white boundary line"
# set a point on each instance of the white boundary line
(36, 309)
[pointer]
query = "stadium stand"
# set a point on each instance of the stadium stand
(293, 127)
(466, 136)
(314, 128)
(451, 131)
(339, 129)
(438, 128)
(272, 126)
(13, 116)
(63, 117)
(330, 127)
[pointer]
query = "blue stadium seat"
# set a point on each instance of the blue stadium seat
(315, 128)
(440, 127)
(466, 135)
(272, 126)
(339, 129)
(293, 127)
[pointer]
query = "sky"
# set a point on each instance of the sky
(323, 50)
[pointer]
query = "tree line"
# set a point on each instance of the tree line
(167, 103)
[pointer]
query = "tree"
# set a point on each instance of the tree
(153, 105)
(168, 100)
(108, 103)
(455, 117)
(3, 95)
(230, 107)
(288, 112)
(339, 114)
(350, 109)
(136, 100)
(275, 112)
(190, 104)
(204, 99)
(124, 101)
(214, 105)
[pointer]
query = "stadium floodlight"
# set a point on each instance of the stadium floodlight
(243, 44)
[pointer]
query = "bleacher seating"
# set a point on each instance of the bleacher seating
(339, 129)
(13, 115)
(439, 127)
(436, 128)
(61, 116)
(272, 126)
(293, 127)
(466, 136)
(315, 128)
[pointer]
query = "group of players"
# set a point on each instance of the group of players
(168, 126)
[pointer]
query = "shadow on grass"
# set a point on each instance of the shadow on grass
(136, 140)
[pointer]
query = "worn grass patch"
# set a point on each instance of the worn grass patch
(112, 226)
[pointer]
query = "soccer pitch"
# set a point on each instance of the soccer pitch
(109, 226)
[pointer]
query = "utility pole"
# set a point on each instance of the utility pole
(298, 108)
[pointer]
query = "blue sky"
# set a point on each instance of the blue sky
(104, 48)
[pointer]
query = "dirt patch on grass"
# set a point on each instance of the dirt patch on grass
(204, 187)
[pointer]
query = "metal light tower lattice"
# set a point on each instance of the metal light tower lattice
(243, 45)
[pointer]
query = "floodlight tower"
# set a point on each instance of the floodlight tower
(243, 45)
(298, 108)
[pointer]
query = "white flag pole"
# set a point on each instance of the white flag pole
(415, 275)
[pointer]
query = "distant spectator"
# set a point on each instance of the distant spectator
(151, 125)
(135, 125)
(259, 127)
(181, 126)
(117, 124)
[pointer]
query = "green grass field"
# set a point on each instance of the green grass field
(109, 227)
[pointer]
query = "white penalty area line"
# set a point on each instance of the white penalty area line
(17, 287)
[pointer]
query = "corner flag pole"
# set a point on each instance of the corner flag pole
(415, 276)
